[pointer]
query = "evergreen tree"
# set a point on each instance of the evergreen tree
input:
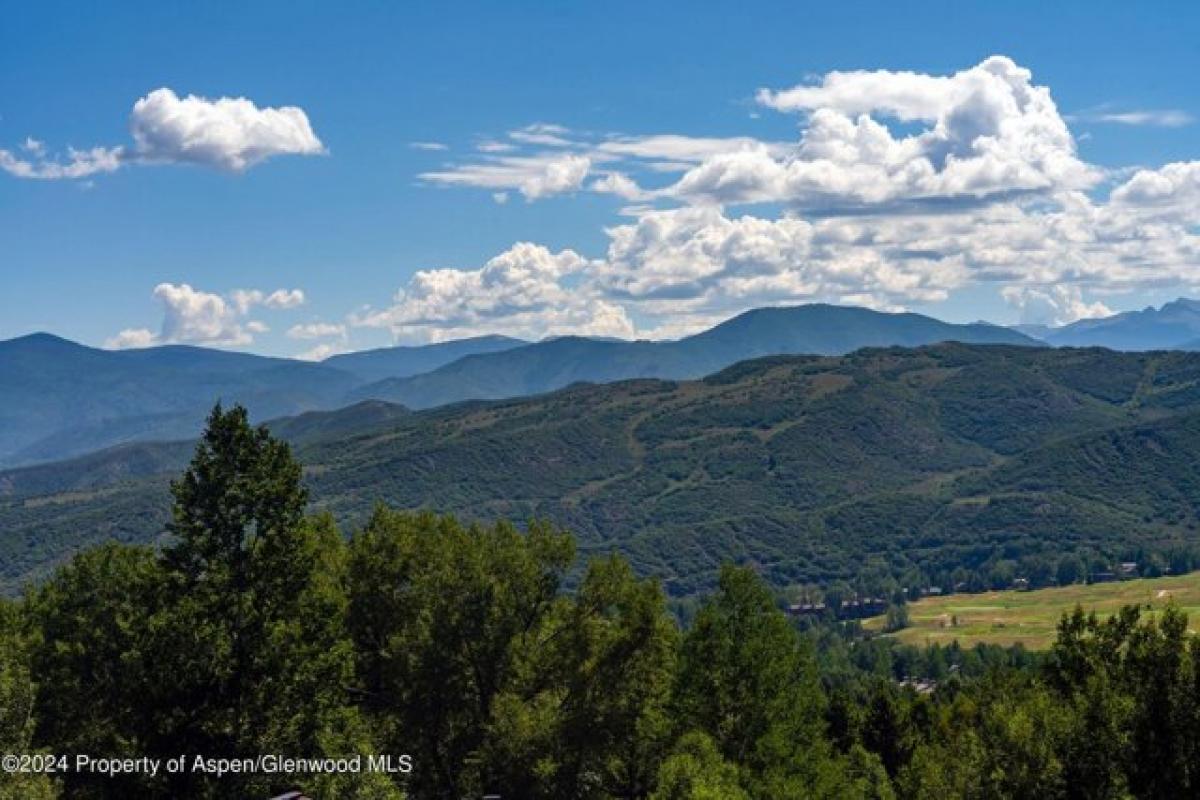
(253, 652)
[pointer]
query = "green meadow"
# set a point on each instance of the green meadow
(1030, 617)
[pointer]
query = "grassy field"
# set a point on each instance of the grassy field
(1009, 617)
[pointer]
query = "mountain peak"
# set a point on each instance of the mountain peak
(41, 341)
(1183, 304)
(40, 337)
(1173, 325)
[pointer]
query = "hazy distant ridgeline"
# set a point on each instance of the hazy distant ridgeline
(1174, 326)
(812, 329)
(813, 468)
(59, 399)
(401, 362)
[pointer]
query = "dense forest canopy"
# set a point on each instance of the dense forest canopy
(895, 468)
(257, 629)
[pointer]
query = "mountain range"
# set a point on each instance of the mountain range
(812, 329)
(726, 444)
(60, 399)
(1174, 326)
(813, 468)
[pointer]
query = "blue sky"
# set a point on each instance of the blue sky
(756, 199)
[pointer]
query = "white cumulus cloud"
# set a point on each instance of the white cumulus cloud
(984, 133)
(675, 271)
(1052, 305)
(701, 262)
(131, 338)
(988, 132)
(1173, 189)
(901, 188)
(525, 291)
(227, 133)
(192, 316)
(284, 299)
(621, 185)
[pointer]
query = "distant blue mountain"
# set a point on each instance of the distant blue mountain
(58, 398)
(1174, 326)
(810, 329)
(401, 362)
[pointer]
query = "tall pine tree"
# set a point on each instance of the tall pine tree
(253, 644)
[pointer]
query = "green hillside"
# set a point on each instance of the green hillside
(945, 458)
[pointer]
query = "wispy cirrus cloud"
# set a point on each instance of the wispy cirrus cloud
(542, 133)
(1154, 118)
(535, 177)
(544, 160)
(316, 330)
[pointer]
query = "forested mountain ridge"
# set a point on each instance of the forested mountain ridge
(815, 329)
(59, 399)
(815, 469)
